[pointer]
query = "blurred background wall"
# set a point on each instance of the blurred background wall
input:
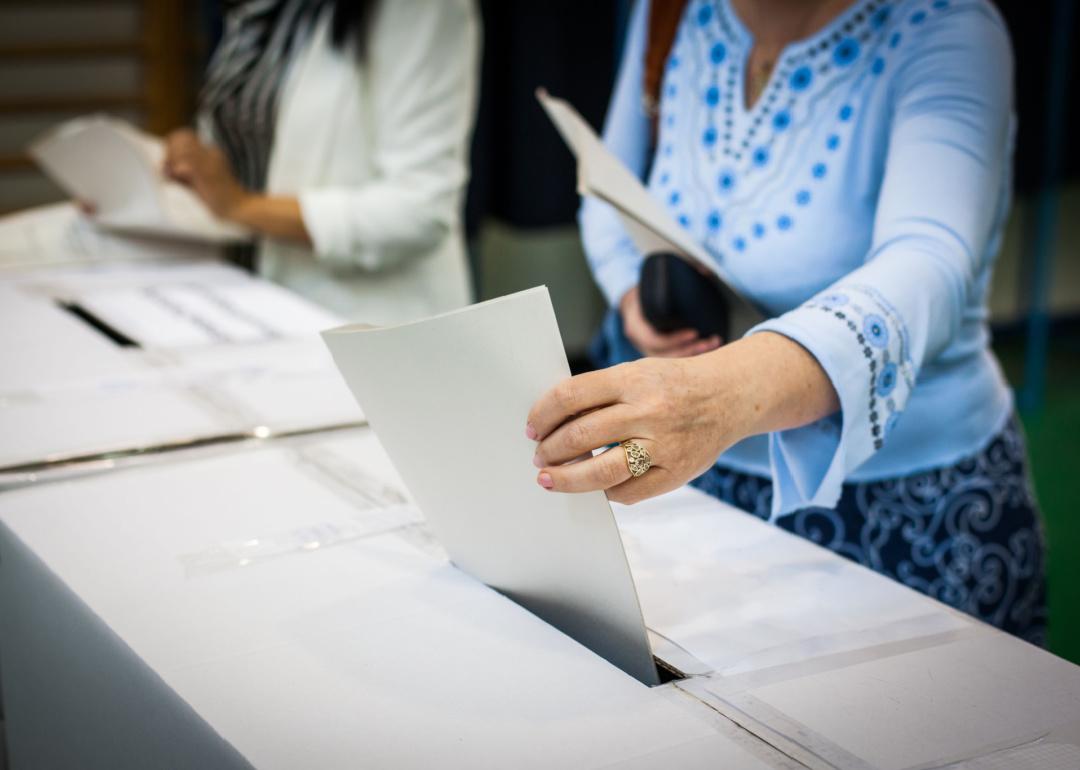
(142, 60)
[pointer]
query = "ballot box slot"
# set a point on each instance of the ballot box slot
(667, 672)
(98, 325)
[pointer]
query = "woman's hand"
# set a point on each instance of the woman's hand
(685, 412)
(206, 170)
(677, 344)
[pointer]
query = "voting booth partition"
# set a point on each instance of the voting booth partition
(209, 559)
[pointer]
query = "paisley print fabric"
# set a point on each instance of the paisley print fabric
(968, 534)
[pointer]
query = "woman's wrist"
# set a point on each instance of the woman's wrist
(242, 208)
(763, 383)
(273, 216)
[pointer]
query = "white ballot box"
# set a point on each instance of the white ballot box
(125, 357)
(285, 608)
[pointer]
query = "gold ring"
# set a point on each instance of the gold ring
(638, 459)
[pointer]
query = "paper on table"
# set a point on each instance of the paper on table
(448, 397)
(117, 168)
(603, 176)
(58, 233)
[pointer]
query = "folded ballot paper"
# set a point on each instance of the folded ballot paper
(603, 176)
(117, 167)
(448, 398)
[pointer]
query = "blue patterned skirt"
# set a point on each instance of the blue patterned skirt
(969, 535)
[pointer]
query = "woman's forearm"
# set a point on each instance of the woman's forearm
(275, 216)
(767, 382)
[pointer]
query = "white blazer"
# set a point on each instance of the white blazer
(377, 154)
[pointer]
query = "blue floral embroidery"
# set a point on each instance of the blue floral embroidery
(875, 330)
(714, 220)
(783, 222)
(818, 170)
(886, 382)
(801, 79)
(846, 52)
(885, 366)
(758, 230)
(761, 156)
(718, 53)
(712, 96)
(802, 197)
(781, 120)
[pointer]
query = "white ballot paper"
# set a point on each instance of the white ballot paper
(603, 176)
(448, 398)
(117, 167)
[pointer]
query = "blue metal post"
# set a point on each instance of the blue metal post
(1044, 232)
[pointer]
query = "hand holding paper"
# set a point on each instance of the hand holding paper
(603, 176)
(448, 398)
(118, 169)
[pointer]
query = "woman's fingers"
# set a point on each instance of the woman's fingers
(180, 148)
(694, 348)
(651, 342)
(571, 396)
(656, 481)
(585, 433)
(659, 341)
(181, 170)
(604, 471)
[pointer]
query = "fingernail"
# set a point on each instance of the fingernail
(545, 481)
(537, 461)
(530, 432)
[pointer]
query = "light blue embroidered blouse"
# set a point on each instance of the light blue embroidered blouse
(861, 201)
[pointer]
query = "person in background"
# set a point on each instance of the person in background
(847, 162)
(338, 133)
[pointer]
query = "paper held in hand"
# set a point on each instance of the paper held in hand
(448, 398)
(602, 175)
(116, 167)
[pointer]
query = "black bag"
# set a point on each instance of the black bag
(675, 295)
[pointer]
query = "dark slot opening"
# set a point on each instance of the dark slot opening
(91, 320)
(667, 672)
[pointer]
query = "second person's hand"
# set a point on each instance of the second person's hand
(206, 170)
(677, 344)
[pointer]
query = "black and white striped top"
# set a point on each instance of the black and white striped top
(245, 77)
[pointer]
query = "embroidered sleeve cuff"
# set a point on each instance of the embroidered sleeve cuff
(861, 343)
